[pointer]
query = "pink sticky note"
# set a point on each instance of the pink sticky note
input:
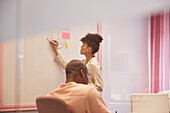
(66, 29)
(65, 35)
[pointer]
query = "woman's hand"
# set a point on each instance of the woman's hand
(54, 44)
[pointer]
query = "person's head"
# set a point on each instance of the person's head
(76, 71)
(91, 43)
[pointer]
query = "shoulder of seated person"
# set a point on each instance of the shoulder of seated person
(86, 86)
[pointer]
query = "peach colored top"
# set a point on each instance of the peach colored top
(80, 98)
(94, 71)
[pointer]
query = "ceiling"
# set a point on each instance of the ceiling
(20, 18)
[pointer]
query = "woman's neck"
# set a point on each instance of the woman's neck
(89, 57)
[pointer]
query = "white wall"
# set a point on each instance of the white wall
(125, 61)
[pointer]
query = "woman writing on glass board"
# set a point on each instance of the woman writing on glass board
(90, 46)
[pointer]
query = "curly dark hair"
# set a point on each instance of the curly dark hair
(93, 41)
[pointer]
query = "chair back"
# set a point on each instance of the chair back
(149, 103)
(168, 92)
(47, 104)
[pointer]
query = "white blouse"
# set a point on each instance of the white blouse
(94, 71)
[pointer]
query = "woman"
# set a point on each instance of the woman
(91, 43)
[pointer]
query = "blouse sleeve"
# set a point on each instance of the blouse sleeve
(61, 61)
(95, 73)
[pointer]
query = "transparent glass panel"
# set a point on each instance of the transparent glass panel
(29, 69)
(125, 61)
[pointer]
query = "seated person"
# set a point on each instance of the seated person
(79, 97)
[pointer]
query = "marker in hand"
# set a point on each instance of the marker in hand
(51, 41)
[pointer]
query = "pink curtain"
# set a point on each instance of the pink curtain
(160, 51)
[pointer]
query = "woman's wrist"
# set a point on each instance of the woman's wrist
(56, 52)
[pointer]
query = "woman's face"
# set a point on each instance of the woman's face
(84, 49)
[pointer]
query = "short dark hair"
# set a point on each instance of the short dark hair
(93, 41)
(74, 67)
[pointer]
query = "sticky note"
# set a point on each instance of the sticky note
(67, 44)
(65, 35)
(66, 29)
